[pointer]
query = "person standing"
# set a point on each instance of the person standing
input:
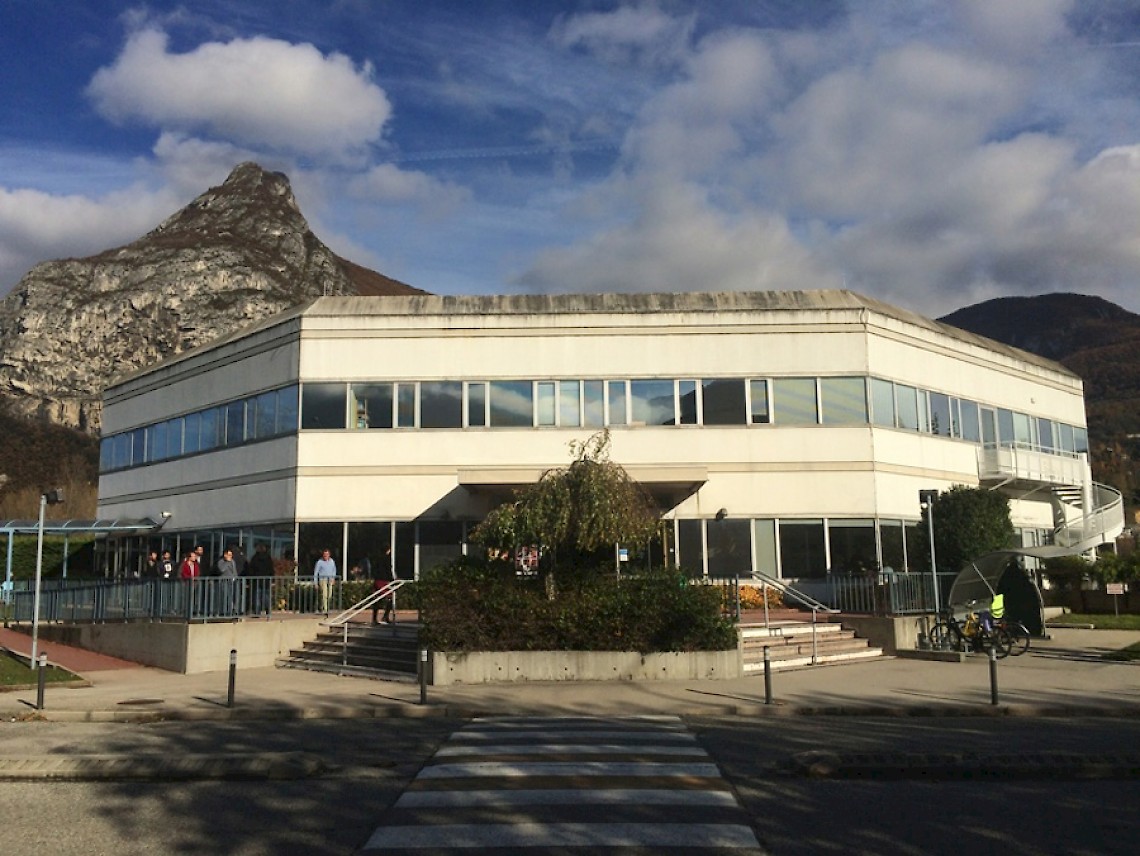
(324, 575)
(151, 571)
(227, 570)
(166, 566)
(382, 578)
(260, 569)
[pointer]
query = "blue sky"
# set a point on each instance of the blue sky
(932, 154)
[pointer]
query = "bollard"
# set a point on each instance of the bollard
(40, 681)
(993, 675)
(767, 675)
(423, 675)
(233, 676)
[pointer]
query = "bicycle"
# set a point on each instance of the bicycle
(1018, 633)
(969, 633)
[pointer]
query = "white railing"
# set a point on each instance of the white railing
(1103, 523)
(1022, 462)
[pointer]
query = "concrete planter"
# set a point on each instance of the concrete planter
(482, 667)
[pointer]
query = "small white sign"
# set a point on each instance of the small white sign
(1114, 588)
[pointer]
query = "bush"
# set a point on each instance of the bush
(475, 605)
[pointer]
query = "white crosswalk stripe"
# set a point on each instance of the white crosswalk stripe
(541, 785)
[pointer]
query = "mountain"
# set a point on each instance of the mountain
(239, 252)
(1097, 340)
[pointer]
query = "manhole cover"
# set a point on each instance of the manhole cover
(140, 701)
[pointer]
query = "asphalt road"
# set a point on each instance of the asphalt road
(1040, 808)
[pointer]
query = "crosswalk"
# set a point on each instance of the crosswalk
(543, 785)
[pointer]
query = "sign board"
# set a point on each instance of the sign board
(623, 554)
(1114, 588)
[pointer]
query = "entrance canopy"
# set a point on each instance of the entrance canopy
(1000, 573)
(69, 527)
(668, 485)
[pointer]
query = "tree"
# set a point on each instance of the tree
(573, 512)
(968, 522)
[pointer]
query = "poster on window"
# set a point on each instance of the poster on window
(526, 560)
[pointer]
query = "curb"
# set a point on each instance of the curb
(164, 768)
(971, 766)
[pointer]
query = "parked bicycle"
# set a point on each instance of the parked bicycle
(1018, 633)
(972, 632)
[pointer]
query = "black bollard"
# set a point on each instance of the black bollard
(423, 675)
(41, 679)
(993, 675)
(233, 677)
(767, 675)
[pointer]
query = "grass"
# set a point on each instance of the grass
(14, 673)
(1101, 621)
(1132, 652)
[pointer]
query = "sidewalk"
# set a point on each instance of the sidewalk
(1060, 676)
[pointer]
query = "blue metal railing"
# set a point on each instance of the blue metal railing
(201, 599)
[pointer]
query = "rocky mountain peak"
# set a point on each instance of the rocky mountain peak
(237, 253)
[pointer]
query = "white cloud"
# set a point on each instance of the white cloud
(258, 92)
(387, 184)
(626, 34)
(35, 226)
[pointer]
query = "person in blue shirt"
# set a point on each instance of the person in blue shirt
(324, 575)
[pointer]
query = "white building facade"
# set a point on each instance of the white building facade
(783, 433)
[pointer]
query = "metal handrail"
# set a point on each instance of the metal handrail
(367, 603)
(811, 603)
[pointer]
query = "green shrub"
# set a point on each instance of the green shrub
(475, 605)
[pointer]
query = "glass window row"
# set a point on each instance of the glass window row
(387, 405)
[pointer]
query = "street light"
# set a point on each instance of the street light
(52, 497)
(926, 499)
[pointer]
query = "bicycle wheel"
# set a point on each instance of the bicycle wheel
(1019, 635)
(943, 637)
(998, 639)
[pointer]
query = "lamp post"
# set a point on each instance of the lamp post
(927, 498)
(52, 497)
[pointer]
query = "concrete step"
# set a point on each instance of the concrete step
(795, 644)
(352, 671)
(799, 662)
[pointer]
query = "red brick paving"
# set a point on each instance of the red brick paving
(78, 660)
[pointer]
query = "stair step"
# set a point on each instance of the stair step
(823, 659)
(351, 671)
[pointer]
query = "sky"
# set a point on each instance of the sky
(930, 153)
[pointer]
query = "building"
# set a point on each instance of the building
(783, 433)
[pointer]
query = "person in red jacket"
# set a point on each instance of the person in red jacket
(189, 569)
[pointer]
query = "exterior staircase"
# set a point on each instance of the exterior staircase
(388, 652)
(790, 645)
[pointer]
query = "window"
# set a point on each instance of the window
(477, 405)
(690, 547)
(651, 402)
(192, 428)
(843, 400)
(441, 404)
(287, 410)
(1067, 441)
(156, 442)
(906, 400)
(546, 402)
(759, 413)
(883, 402)
(235, 419)
(512, 403)
(264, 416)
(852, 545)
(970, 429)
(569, 403)
(729, 547)
(440, 541)
(371, 405)
(322, 406)
(616, 402)
(593, 398)
(1081, 439)
(1045, 434)
(764, 534)
(723, 402)
(794, 401)
(1005, 427)
(940, 414)
(687, 399)
(405, 405)
(1022, 430)
(802, 552)
(892, 545)
(138, 447)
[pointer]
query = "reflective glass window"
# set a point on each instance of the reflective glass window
(441, 404)
(923, 412)
(477, 405)
(192, 427)
(729, 547)
(546, 402)
(793, 401)
(1005, 426)
(764, 538)
(405, 405)
(210, 429)
(722, 401)
(512, 403)
(1022, 430)
(440, 541)
(1065, 435)
(593, 404)
(758, 395)
(235, 418)
(287, 410)
(940, 414)
(106, 454)
(138, 447)
(569, 403)
(802, 551)
(906, 400)
(1080, 439)
(174, 430)
(852, 546)
(156, 442)
(1045, 434)
(616, 401)
(883, 402)
(969, 413)
(687, 399)
(322, 406)
(691, 547)
(892, 545)
(264, 415)
(843, 400)
(651, 402)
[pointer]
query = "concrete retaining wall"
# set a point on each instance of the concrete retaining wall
(189, 648)
(480, 667)
(892, 633)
